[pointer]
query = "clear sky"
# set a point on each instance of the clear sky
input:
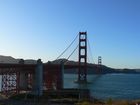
(33, 29)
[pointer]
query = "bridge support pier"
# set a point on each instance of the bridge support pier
(38, 83)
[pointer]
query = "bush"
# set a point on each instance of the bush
(84, 103)
(109, 101)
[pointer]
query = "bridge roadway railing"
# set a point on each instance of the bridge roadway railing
(15, 77)
(21, 77)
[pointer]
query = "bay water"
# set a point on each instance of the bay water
(115, 86)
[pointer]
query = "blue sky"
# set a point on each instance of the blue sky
(33, 29)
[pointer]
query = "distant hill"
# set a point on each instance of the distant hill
(9, 59)
(92, 68)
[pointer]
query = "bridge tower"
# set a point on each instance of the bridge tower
(99, 60)
(82, 70)
(99, 64)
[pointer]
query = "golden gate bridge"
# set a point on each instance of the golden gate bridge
(43, 76)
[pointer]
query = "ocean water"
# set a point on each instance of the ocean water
(115, 86)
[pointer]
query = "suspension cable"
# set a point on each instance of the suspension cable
(72, 53)
(67, 48)
(90, 51)
(88, 59)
